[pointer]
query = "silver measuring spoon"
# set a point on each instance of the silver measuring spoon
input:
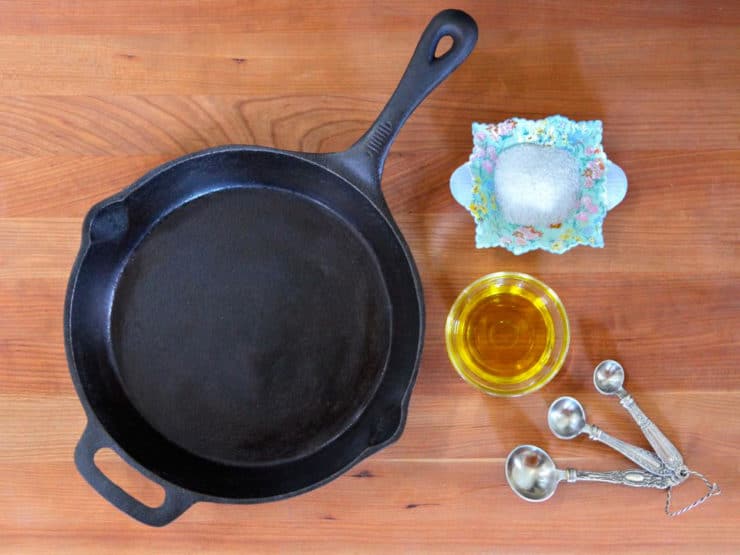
(609, 379)
(533, 476)
(567, 419)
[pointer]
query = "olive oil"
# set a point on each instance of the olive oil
(504, 335)
(507, 334)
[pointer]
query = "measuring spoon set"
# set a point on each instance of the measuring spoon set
(532, 473)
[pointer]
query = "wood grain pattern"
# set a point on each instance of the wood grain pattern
(94, 94)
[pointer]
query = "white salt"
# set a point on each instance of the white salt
(536, 185)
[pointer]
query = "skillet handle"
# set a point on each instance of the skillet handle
(424, 72)
(176, 501)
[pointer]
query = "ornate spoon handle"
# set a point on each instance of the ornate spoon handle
(665, 450)
(635, 478)
(638, 455)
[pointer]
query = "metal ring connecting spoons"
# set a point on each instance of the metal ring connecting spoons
(609, 380)
(567, 420)
(533, 476)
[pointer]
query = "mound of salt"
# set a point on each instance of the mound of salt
(536, 184)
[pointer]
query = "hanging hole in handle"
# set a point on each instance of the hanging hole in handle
(443, 46)
(127, 478)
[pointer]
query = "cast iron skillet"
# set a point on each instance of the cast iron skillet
(244, 324)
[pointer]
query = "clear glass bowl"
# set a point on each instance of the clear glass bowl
(507, 334)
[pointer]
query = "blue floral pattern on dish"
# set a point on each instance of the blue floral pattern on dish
(583, 141)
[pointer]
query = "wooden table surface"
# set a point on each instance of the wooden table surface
(93, 94)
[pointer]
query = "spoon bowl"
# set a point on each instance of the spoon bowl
(566, 418)
(609, 377)
(531, 473)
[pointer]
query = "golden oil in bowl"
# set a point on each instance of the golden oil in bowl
(507, 334)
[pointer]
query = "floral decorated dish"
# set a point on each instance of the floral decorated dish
(575, 217)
